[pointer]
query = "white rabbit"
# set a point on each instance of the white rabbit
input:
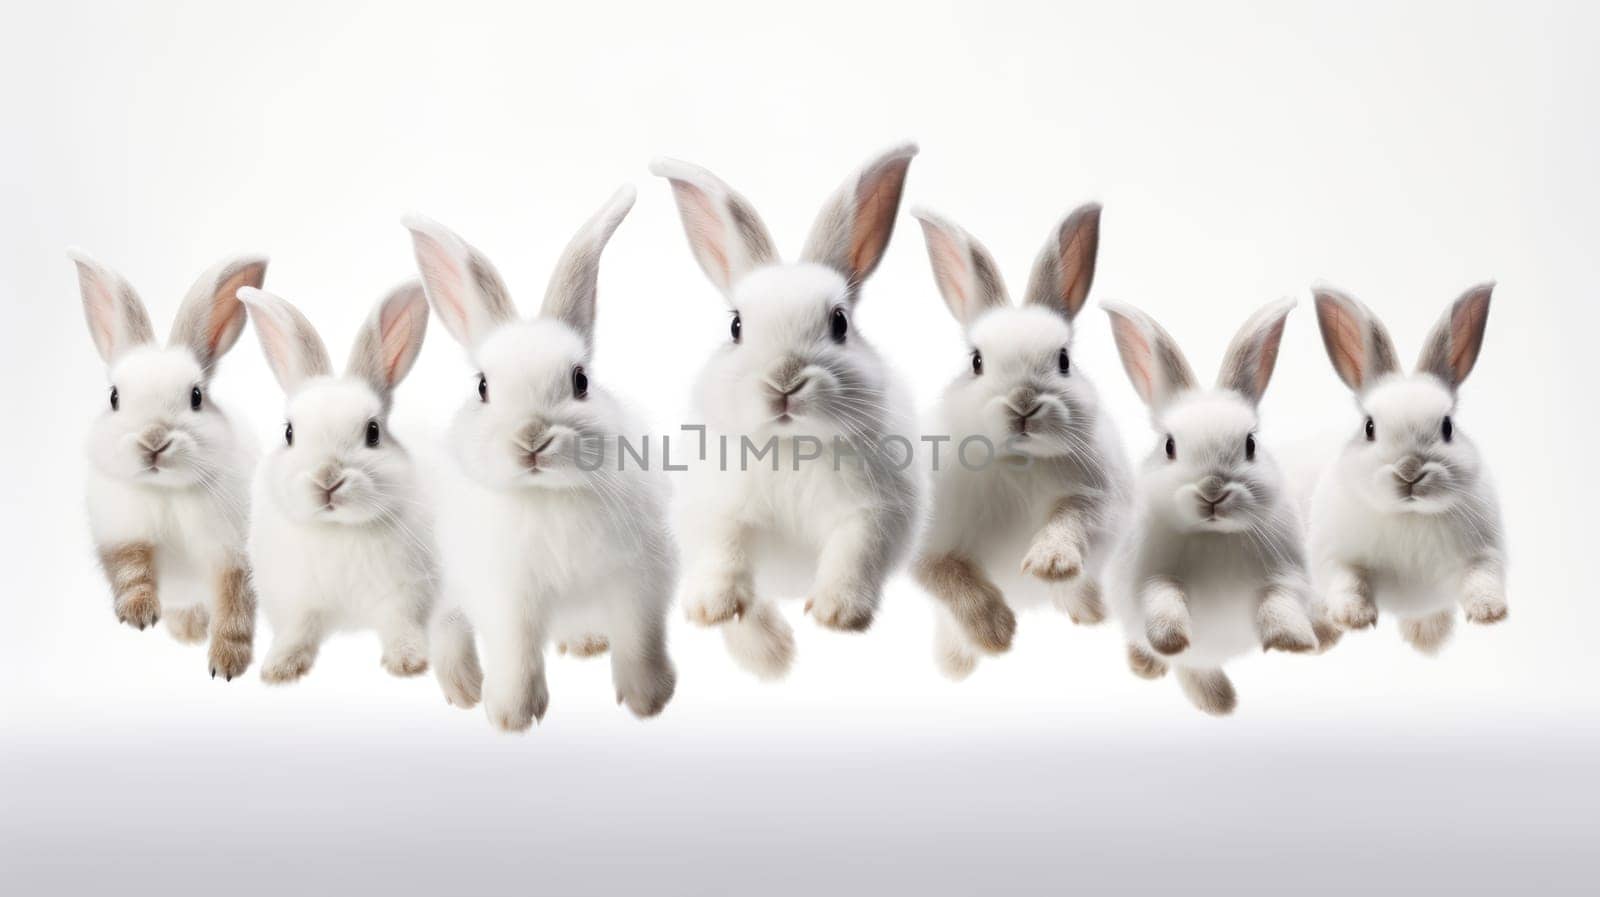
(1039, 524)
(1406, 519)
(168, 486)
(339, 539)
(829, 508)
(1213, 566)
(545, 539)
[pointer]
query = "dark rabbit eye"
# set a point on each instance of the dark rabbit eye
(840, 325)
(737, 327)
(580, 383)
(483, 388)
(1250, 447)
(114, 400)
(372, 434)
(977, 362)
(1372, 430)
(195, 398)
(288, 434)
(1172, 449)
(1063, 363)
(1447, 429)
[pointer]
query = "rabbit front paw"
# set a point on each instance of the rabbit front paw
(1487, 607)
(841, 607)
(405, 660)
(1053, 558)
(229, 654)
(718, 599)
(1353, 611)
(646, 686)
(139, 607)
(283, 667)
(515, 710)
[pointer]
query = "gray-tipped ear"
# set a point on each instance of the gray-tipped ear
(463, 287)
(966, 274)
(1357, 343)
(211, 317)
(1452, 347)
(294, 350)
(573, 288)
(1151, 357)
(854, 227)
(1064, 271)
(391, 338)
(1248, 363)
(117, 319)
(725, 233)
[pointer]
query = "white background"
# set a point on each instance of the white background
(1242, 151)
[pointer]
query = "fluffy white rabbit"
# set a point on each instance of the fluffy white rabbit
(1213, 565)
(339, 539)
(168, 486)
(796, 379)
(1038, 524)
(545, 539)
(1406, 519)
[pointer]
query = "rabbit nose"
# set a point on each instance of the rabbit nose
(787, 378)
(156, 439)
(1211, 489)
(532, 443)
(1409, 470)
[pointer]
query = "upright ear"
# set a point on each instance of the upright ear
(854, 227)
(725, 233)
(1452, 348)
(1064, 270)
(967, 276)
(1152, 359)
(391, 338)
(211, 317)
(117, 319)
(1357, 343)
(294, 351)
(1248, 363)
(570, 298)
(463, 287)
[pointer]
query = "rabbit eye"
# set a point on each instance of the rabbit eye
(483, 388)
(288, 434)
(1447, 429)
(977, 362)
(1372, 430)
(1063, 363)
(580, 383)
(839, 324)
(737, 327)
(195, 398)
(114, 399)
(1172, 449)
(1250, 447)
(372, 434)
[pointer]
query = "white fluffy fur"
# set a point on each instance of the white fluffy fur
(1192, 585)
(193, 505)
(834, 535)
(999, 517)
(1378, 544)
(340, 540)
(537, 550)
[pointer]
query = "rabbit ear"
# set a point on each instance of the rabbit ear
(1152, 359)
(117, 319)
(1452, 348)
(1357, 343)
(211, 317)
(854, 227)
(1248, 363)
(1064, 270)
(725, 233)
(570, 298)
(294, 350)
(965, 272)
(391, 338)
(463, 287)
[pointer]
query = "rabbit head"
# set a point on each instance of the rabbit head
(793, 362)
(536, 416)
(158, 427)
(1406, 452)
(337, 462)
(1020, 388)
(1208, 470)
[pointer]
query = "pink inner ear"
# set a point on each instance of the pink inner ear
(950, 265)
(394, 336)
(440, 270)
(1267, 356)
(876, 204)
(1346, 339)
(705, 228)
(1466, 332)
(1137, 357)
